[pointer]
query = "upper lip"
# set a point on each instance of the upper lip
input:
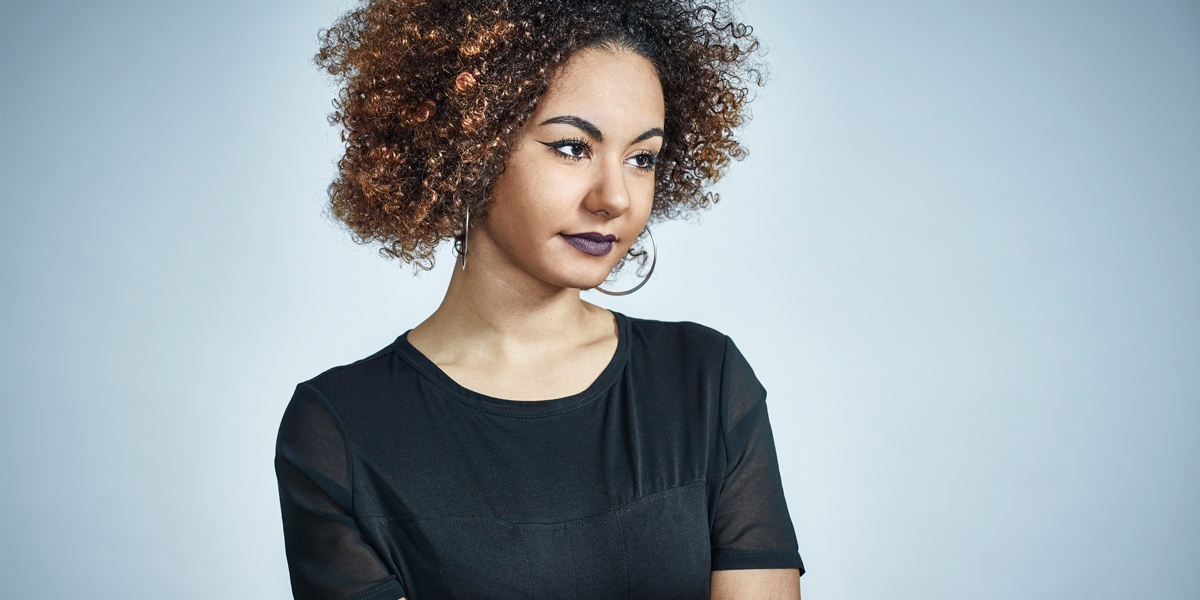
(592, 236)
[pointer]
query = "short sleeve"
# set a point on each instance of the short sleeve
(751, 528)
(326, 553)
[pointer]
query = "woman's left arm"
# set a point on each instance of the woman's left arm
(754, 550)
(756, 584)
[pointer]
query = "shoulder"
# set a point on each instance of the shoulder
(686, 341)
(334, 401)
(354, 379)
(680, 333)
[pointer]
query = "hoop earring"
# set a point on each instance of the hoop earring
(462, 255)
(637, 287)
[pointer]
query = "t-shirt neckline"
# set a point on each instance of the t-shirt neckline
(520, 408)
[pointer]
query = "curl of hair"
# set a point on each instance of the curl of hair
(434, 92)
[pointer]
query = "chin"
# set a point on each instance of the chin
(591, 284)
(584, 279)
(583, 283)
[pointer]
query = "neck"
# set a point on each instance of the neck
(496, 305)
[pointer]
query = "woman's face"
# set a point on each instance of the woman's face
(578, 188)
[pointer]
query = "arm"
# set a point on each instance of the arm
(754, 543)
(328, 556)
(756, 584)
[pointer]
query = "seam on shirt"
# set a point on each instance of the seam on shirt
(375, 590)
(341, 425)
(504, 412)
(574, 564)
(623, 343)
(788, 552)
(607, 515)
(528, 565)
(721, 407)
(381, 353)
(748, 419)
(733, 560)
(624, 556)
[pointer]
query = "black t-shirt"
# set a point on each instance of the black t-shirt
(394, 480)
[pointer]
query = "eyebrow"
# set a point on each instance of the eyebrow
(574, 121)
(594, 131)
(649, 133)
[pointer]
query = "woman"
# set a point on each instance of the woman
(521, 442)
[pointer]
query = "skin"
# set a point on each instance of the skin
(512, 324)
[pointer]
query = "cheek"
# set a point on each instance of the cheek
(533, 197)
(510, 194)
(522, 207)
(644, 194)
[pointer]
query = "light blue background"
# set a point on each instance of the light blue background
(963, 257)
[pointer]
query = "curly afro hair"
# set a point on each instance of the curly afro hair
(433, 92)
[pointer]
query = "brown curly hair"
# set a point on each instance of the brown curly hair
(433, 92)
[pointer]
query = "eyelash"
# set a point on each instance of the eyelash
(587, 147)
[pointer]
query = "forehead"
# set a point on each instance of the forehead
(614, 89)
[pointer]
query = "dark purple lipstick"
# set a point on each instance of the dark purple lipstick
(591, 243)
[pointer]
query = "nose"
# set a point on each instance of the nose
(609, 194)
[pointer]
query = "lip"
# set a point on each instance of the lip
(591, 243)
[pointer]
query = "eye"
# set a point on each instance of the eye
(574, 149)
(644, 161)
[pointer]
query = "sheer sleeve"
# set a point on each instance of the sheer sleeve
(326, 553)
(751, 528)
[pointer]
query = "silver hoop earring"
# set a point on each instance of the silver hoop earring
(466, 232)
(637, 287)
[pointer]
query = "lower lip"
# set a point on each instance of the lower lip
(588, 246)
